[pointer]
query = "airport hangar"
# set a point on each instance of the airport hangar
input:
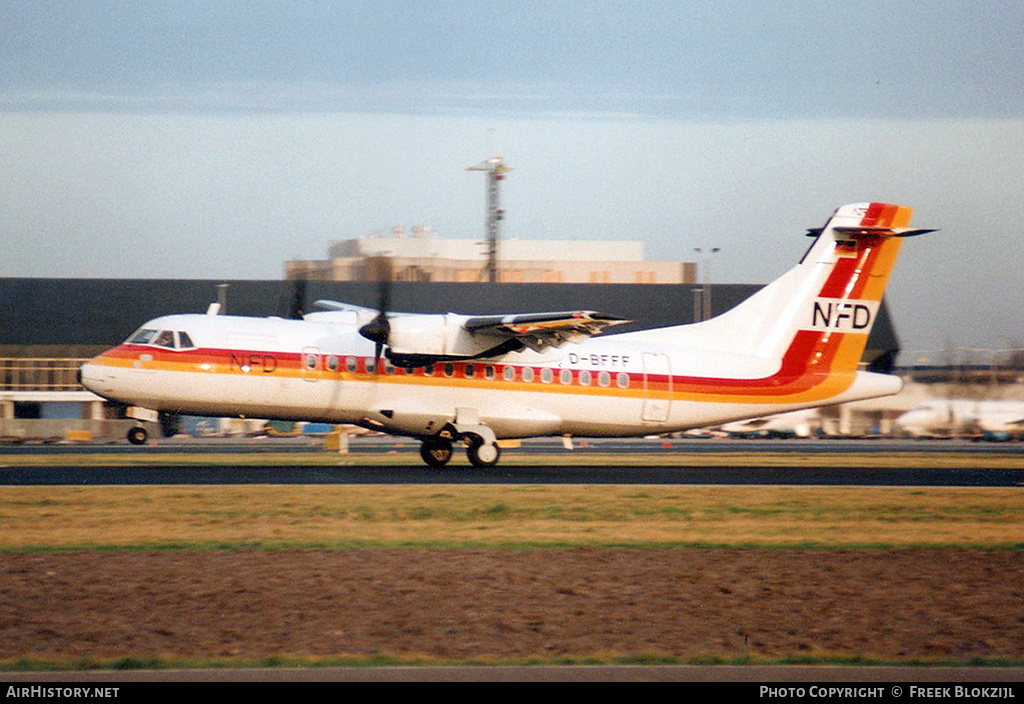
(51, 326)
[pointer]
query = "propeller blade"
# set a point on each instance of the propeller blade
(378, 330)
(383, 297)
(297, 308)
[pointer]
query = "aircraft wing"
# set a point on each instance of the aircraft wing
(416, 339)
(338, 306)
(541, 330)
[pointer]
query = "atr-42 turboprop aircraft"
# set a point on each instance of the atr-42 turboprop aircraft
(796, 343)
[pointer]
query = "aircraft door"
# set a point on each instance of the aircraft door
(657, 388)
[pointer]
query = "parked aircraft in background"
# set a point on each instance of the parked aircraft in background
(445, 379)
(964, 418)
(796, 424)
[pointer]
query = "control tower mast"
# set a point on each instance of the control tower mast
(496, 170)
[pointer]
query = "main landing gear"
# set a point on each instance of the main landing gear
(437, 451)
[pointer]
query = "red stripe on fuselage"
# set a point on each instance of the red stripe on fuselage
(805, 365)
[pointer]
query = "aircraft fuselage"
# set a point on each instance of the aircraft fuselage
(302, 370)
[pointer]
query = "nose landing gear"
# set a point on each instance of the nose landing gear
(137, 435)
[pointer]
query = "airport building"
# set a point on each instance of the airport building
(422, 256)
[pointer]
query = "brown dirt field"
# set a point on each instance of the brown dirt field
(950, 604)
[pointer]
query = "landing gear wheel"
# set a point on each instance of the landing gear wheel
(137, 435)
(483, 455)
(170, 424)
(436, 452)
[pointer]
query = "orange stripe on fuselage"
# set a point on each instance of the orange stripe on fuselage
(805, 373)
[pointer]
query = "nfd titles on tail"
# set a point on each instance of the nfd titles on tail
(449, 378)
(841, 315)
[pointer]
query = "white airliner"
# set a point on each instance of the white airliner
(799, 424)
(963, 417)
(443, 379)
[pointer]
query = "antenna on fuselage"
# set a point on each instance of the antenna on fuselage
(221, 306)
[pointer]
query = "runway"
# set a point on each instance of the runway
(381, 474)
(375, 461)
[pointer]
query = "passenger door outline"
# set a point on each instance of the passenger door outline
(657, 391)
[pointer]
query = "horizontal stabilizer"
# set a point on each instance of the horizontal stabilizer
(856, 232)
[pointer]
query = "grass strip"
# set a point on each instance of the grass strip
(39, 518)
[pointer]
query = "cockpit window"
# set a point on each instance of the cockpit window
(165, 339)
(171, 339)
(142, 337)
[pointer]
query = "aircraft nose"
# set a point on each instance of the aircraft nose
(85, 374)
(91, 377)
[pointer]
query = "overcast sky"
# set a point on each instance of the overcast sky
(216, 140)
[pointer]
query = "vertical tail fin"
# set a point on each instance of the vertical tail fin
(842, 278)
(818, 315)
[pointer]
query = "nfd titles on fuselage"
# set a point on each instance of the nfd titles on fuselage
(252, 360)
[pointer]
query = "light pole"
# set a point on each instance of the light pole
(703, 312)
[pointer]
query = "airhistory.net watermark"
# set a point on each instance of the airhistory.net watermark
(62, 692)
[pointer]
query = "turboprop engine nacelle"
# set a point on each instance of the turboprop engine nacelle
(436, 335)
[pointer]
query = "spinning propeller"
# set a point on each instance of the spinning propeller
(378, 330)
(297, 304)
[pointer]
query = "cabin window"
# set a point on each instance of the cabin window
(565, 376)
(389, 368)
(449, 369)
(489, 371)
(509, 373)
(604, 379)
(546, 375)
(371, 365)
(350, 363)
(528, 374)
(310, 361)
(428, 370)
(622, 379)
(332, 364)
(409, 371)
(470, 371)
(584, 378)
